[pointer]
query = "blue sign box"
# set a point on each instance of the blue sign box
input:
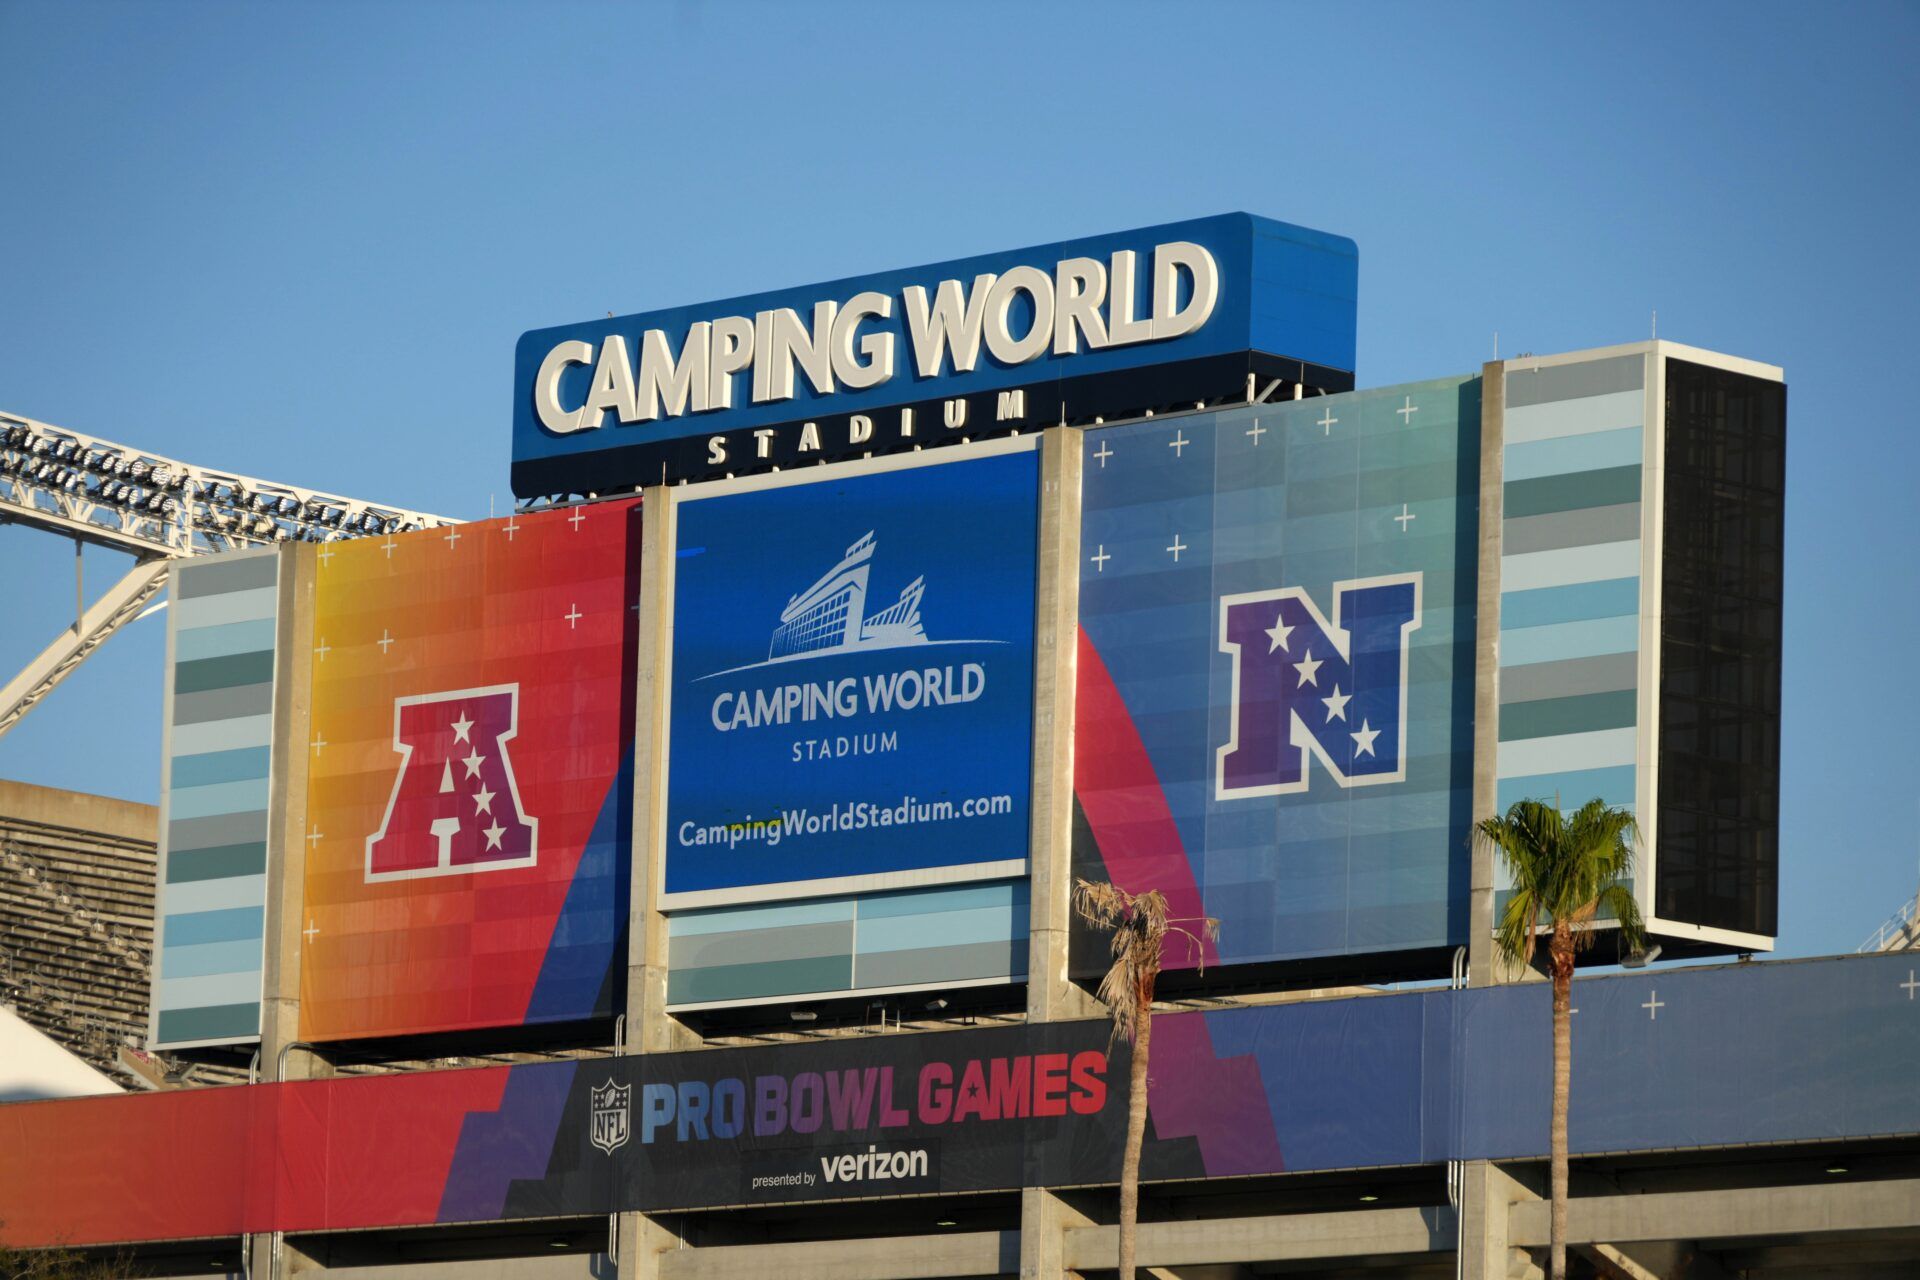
(851, 697)
(1108, 325)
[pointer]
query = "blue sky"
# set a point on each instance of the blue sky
(299, 241)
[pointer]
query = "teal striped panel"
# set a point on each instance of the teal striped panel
(1603, 749)
(230, 925)
(218, 1024)
(1573, 789)
(950, 933)
(221, 797)
(213, 848)
(1569, 565)
(1622, 409)
(1563, 640)
(1573, 491)
(782, 915)
(207, 768)
(198, 960)
(222, 673)
(1576, 380)
(210, 989)
(1577, 602)
(1581, 713)
(193, 643)
(1559, 455)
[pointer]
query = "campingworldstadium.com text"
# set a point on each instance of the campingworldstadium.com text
(858, 815)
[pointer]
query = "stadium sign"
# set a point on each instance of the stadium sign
(851, 701)
(1107, 326)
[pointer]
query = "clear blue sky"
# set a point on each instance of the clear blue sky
(299, 241)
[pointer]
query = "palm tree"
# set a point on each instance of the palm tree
(1566, 873)
(1140, 928)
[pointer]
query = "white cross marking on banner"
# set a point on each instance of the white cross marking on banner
(385, 641)
(1911, 985)
(453, 536)
(1256, 431)
(323, 648)
(1404, 516)
(388, 546)
(573, 619)
(1100, 561)
(314, 837)
(1406, 413)
(1103, 453)
(311, 930)
(326, 553)
(511, 527)
(319, 744)
(1653, 1006)
(1326, 422)
(1177, 547)
(1179, 444)
(575, 519)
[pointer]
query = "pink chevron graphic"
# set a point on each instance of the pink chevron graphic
(1219, 1102)
(1114, 781)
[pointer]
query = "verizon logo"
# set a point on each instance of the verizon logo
(874, 1165)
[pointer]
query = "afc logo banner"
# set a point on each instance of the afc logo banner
(1305, 686)
(455, 806)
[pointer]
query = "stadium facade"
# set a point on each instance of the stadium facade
(756, 898)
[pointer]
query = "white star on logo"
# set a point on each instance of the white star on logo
(1363, 740)
(493, 834)
(1309, 670)
(482, 801)
(461, 726)
(473, 763)
(1337, 705)
(1278, 633)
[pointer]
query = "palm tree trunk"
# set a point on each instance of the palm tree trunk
(1562, 955)
(1136, 1135)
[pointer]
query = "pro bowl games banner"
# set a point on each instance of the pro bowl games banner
(469, 792)
(1274, 718)
(852, 678)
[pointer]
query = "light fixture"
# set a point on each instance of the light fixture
(802, 1015)
(946, 1222)
(1368, 1198)
(936, 1004)
(1641, 958)
(558, 1242)
(1836, 1168)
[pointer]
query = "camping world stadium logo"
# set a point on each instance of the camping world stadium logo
(455, 807)
(1305, 687)
(611, 1115)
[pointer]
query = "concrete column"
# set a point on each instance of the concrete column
(1045, 1219)
(1055, 641)
(287, 814)
(649, 1028)
(643, 1238)
(1487, 1195)
(1482, 967)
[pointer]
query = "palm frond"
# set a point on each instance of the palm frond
(1564, 871)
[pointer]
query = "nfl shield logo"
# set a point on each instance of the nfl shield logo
(610, 1116)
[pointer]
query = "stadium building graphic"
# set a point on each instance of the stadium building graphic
(1213, 567)
(830, 616)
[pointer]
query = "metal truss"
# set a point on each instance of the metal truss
(159, 509)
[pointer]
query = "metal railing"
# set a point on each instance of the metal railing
(1897, 934)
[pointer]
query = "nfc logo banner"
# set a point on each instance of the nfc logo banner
(455, 806)
(1305, 686)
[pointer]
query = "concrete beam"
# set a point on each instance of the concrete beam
(968, 1253)
(558, 1266)
(1045, 1218)
(1280, 1238)
(1706, 1215)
